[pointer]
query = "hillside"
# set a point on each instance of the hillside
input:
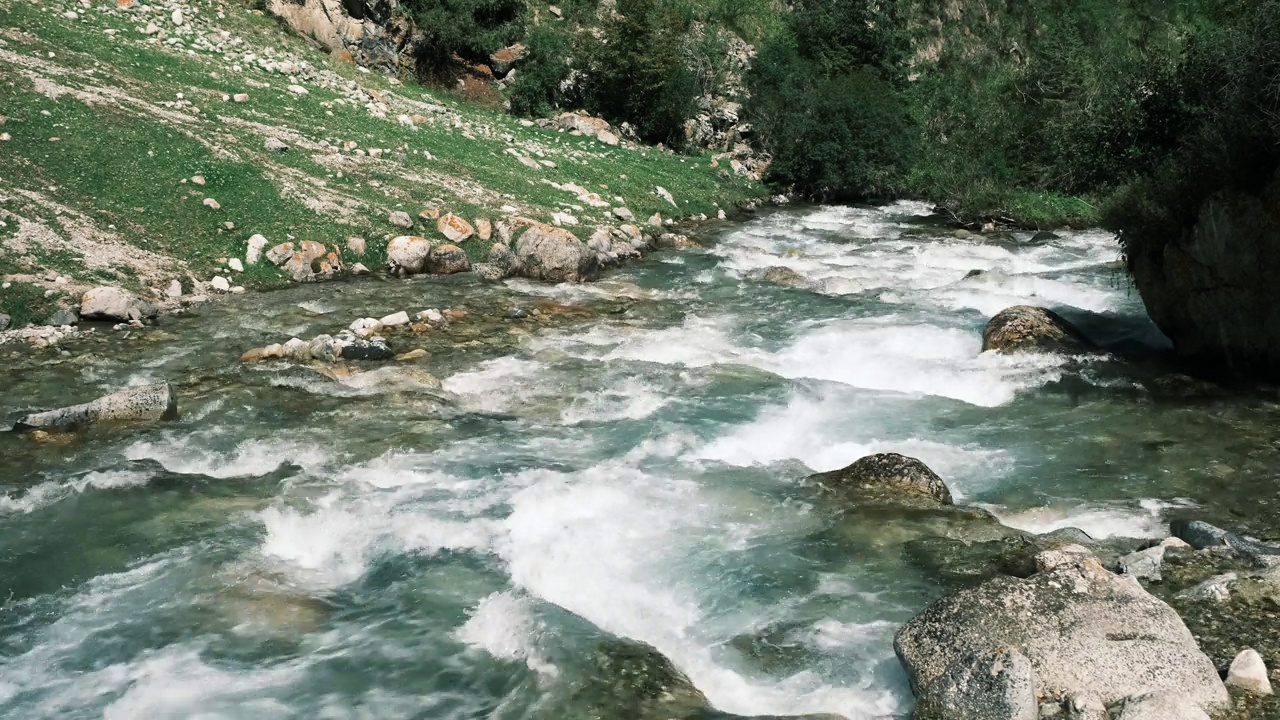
(137, 151)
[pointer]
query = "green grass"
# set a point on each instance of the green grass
(127, 166)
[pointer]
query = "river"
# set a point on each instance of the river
(627, 464)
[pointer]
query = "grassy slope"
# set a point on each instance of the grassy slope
(137, 115)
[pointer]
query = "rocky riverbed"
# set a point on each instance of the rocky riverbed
(655, 495)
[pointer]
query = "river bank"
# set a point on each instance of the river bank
(570, 467)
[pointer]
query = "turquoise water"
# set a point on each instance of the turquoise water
(366, 546)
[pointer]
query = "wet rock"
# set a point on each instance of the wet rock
(447, 260)
(1215, 589)
(1024, 328)
(1198, 534)
(149, 403)
(993, 684)
(1249, 673)
(407, 254)
(489, 272)
(887, 478)
(369, 349)
(780, 275)
(115, 304)
(1157, 706)
(1044, 236)
(62, 317)
(553, 254)
(626, 679)
(1145, 564)
(675, 240)
(1084, 629)
(454, 228)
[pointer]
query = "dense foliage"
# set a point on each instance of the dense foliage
(471, 29)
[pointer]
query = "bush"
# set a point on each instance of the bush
(638, 71)
(545, 67)
(1224, 125)
(470, 29)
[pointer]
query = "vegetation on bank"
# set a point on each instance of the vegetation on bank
(1040, 113)
(108, 124)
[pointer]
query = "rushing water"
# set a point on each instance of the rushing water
(364, 546)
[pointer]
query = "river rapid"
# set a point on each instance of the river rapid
(625, 466)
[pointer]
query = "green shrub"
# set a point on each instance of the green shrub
(638, 71)
(536, 89)
(470, 29)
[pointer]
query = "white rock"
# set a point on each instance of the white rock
(298, 90)
(211, 203)
(151, 29)
(359, 269)
(1248, 672)
(560, 218)
(197, 179)
(666, 195)
(235, 265)
(396, 319)
(238, 290)
(656, 220)
(624, 214)
(432, 316)
(364, 327)
(176, 17)
(240, 97)
(220, 284)
(6, 137)
(721, 216)
(174, 290)
(253, 253)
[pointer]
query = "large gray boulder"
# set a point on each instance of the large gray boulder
(996, 684)
(149, 403)
(1028, 329)
(1212, 290)
(1085, 631)
(115, 304)
(887, 478)
(546, 252)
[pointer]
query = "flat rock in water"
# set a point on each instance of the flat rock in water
(887, 478)
(1085, 631)
(1027, 329)
(149, 403)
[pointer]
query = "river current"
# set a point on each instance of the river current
(364, 545)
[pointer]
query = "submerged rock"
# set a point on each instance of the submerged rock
(781, 275)
(1085, 631)
(887, 478)
(149, 403)
(115, 304)
(1024, 328)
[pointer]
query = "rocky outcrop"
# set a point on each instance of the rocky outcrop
(1093, 639)
(887, 478)
(1028, 329)
(996, 684)
(1213, 290)
(115, 304)
(149, 403)
(377, 34)
(553, 254)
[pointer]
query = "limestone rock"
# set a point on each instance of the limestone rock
(1215, 589)
(1249, 673)
(400, 219)
(553, 254)
(280, 254)
(395, 319)
(624, 214)
(454, 228)
(408, 254)
(254, 248)
(1024, 328)
(275, 145)
(148, 403)
(1084, 630)
(505, 59)
(484, 229)
(235, 265)
(675, 240)
(220, 284)
(116, 304)
(447, 260)
(995, 684)
(62, 317)
(887, 478)
(356, 245)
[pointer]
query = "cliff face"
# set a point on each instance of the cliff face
(1214, 291)
(367, 32)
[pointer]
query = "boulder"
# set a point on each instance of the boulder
(505, 59)
(995, 684)
(1085, 631)
(1249, 673)
(675, 240)
(115, 304)
(148, 403)
(781, 275)
(887, 478)
(484, 229)
(447, 259)
(1157, 706)
(454, 228)
(407, 254)
(489, 272)
(400, 219)
(371, 349)
(1216, 589)
(280, 254)
(1024, 328)
(254, 249)
(546, 252)
(62, 317)
(1212, 288)
(5, 322)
